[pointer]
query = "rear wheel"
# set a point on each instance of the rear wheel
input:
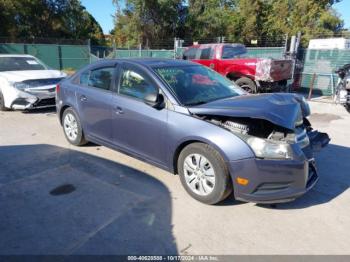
(203, 173)
(72, 128)
(247, 84)
(2, 103)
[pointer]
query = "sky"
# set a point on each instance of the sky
(343, 8)
(103, 10)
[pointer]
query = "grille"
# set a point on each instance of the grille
(20, 102)
(271, 187)
(46, 102)
(42, 82)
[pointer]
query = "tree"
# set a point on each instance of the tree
(147, 22)
(209, 19)
(250, 21)
(313, 18)
(48, 19)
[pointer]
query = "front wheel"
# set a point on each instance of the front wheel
(72, 128)
(247, 84)
(204, 174)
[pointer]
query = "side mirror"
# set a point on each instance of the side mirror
(155, 100)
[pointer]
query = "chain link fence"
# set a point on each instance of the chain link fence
(315, 67)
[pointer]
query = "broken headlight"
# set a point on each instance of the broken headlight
(268, 149)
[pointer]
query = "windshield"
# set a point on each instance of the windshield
(20, 64)
(194, 85)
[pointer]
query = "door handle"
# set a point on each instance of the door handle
(83, 98)
(118, 110)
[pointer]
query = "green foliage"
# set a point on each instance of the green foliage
(149, 21)
(48, 18)
(209, 19)
(312, 18)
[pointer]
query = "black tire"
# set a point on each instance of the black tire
(79, 140)
(247, 84)
(347, 107)
(283, 86)
(2, 103)
(223, 185)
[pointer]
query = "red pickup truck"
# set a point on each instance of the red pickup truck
(252, 74)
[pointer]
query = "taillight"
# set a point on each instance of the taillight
(58, 88)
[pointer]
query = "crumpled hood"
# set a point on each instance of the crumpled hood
(19, 76)
(281, 109)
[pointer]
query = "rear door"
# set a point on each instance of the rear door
(138, 127)
(94, 100)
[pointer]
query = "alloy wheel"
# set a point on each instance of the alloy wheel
(70, 126)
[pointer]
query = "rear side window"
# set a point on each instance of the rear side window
(190, 54)
(99, 78)
(205, 53)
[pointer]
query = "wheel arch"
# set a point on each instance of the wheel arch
(234, 73)
(64, 108)
(189, 141)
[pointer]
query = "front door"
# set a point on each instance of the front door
(139, 127)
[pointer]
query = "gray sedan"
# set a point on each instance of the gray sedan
(188, 119)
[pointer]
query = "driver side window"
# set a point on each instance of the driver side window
(134, 84)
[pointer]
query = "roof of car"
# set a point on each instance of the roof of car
(152, 62)
(15, 55)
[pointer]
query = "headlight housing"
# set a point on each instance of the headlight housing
(21, 86)
(268, 149)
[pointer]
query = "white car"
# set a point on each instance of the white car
(26, 83)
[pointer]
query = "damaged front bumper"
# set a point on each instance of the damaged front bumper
(277, 181)
(31, 99)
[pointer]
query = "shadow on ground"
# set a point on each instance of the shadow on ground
(333, 165)
(59, 201)
(47, 110)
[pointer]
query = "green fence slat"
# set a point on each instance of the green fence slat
(55, 56)
(323, 64)
(266, 52)
(11, 48)
(75, 57)
(46, 53)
